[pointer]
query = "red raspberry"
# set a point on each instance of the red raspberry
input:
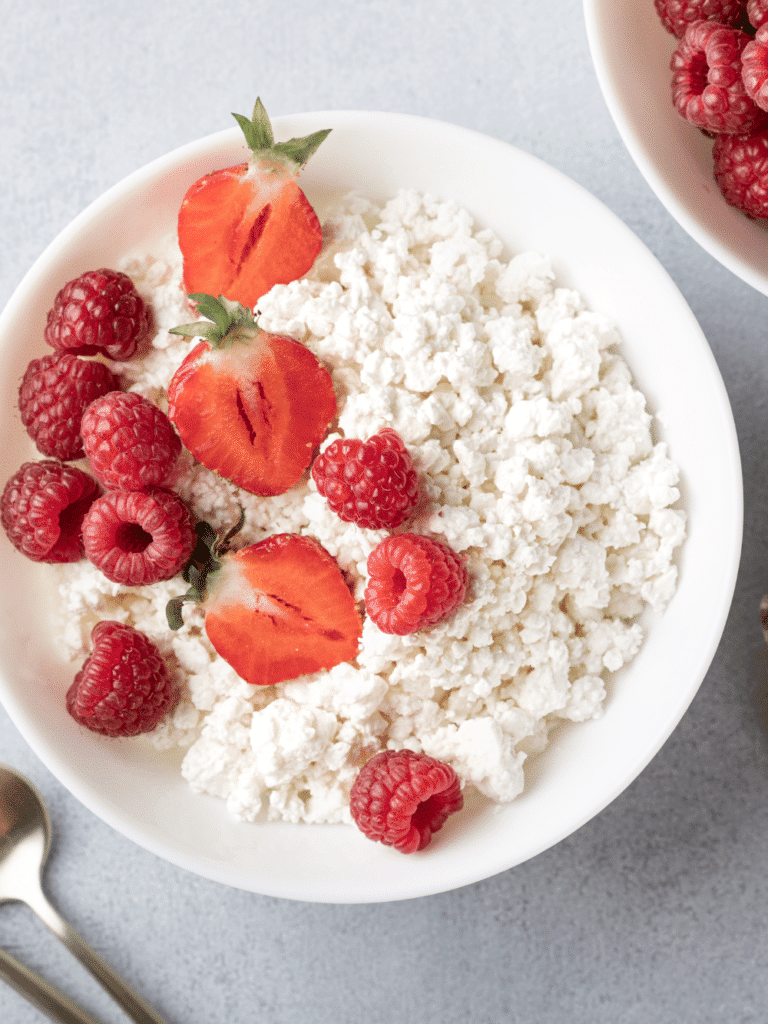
(741, 172)
(757, 12)
(707, 88)
(42, 509)
(53, 394)
(371, 483)
(754, 68)
(677, 15)
(100, 311)
(401, 798)
(139, 537)
(129, 441)
(413, 582)
(124, 688)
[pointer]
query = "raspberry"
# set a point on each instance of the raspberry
(707, 88)
(401, 798)
(741, 172)
(413, 582)
(677, 15)
(754, 68)
(129, 441)
(124, 688)
(757, 12)
(53, 394)
(42, 509)
(139, 537)
(100, 311)
(371, 483)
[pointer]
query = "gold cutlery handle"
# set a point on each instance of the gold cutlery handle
(41, 993)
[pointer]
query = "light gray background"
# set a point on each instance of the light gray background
(656, 911)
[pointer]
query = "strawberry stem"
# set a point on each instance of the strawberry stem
(223, 317)
(293, 154)
(204, 560)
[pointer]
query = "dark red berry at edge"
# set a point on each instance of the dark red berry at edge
(401, 798)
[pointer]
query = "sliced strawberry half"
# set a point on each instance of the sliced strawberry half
(275, 610)
(249, 405)
(245, 228)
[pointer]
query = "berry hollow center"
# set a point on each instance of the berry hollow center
(399, 584)
(132, 538)
(426, 812)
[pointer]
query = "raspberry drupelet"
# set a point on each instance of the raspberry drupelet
(677, 15)
(42, 510)
(139, 537)
(741, 172)
(757, 12)
(54, 392)
(707, 87)
(754, 68)
(401, 798)
(413, 582)
(129, 441)
(100, 311)
(124, 688)
(371, 483)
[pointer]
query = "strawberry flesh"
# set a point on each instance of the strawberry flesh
(280, 609)
(253, 410)
(244, 229)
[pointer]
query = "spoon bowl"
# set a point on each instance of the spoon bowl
(25, 834)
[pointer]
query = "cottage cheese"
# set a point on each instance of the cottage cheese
(538, 464)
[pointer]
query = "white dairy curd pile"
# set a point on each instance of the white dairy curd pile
(538, 463)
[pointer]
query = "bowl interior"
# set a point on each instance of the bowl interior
(631, 51)
(531, 206)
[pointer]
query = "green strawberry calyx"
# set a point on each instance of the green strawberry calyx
(205, 559)
(292, 155)
(226, 321)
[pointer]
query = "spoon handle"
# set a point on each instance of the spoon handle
(41, 993)
(121, 992)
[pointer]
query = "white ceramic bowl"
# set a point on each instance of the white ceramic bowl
(631, 51)
(139, 791)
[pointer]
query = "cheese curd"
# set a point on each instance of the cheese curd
(538, 464)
